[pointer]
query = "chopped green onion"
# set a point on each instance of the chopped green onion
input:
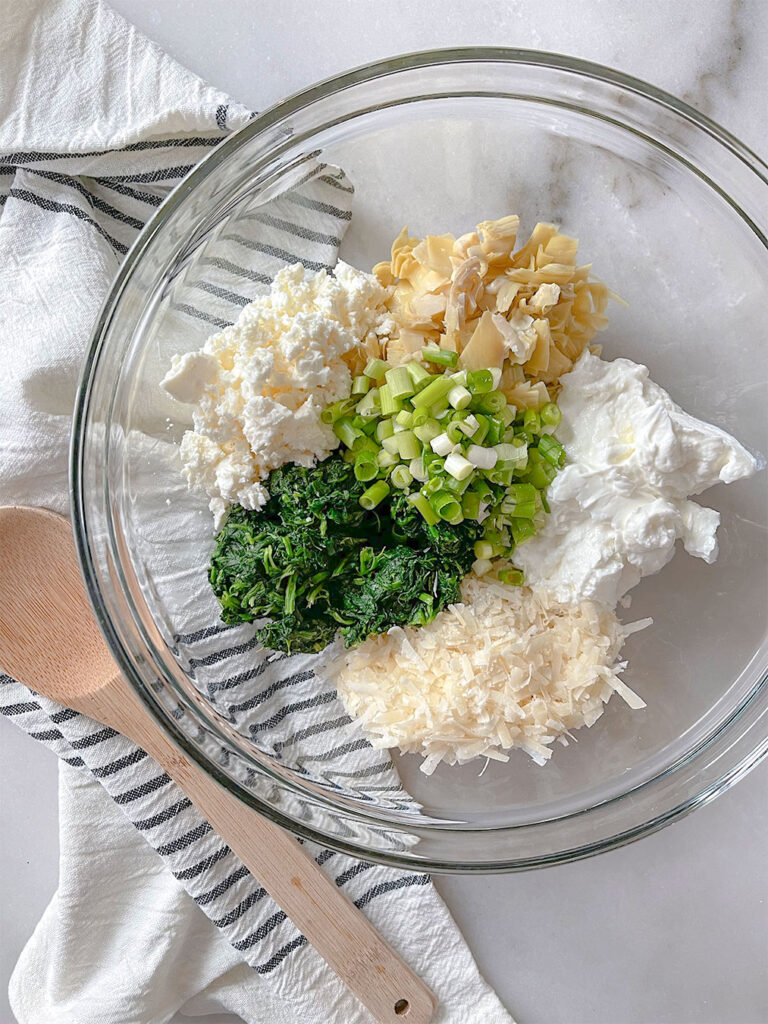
(540, 472)
(450, 483)
(492, 402)
(552, 450)
(447, 507)
(480, 382)
(483, 549)
(399, 382)
(469, 425)
(501, 476)
(470, 505)
(369, 405)
(550, 414)
(495, 430)
(374, 495)
(366, 466)
(400, 477)
(454, 432)
(433, 485)
(361, 385)
(387, 459)
(369, 426)
(420, 375)
(507, 415)
(482, 458)
(531, 421)
(428, 430)
(334, 412)
(384, 428)
(376, 368)
(389, 404)
(482, 489)
(511, 453)
(419, 417)
(441, 356)
(404, 418)
(420, 503)
(520, 510)
(481, 566)
(441, 445)
(434, 392)
(365, 444)
(346, 431)
(408, 445)
(482, 429)
(459, 397)
(512, 577)
(417, 470)
(522, 529)
(458, 467)
(391, 444)
(435, 467)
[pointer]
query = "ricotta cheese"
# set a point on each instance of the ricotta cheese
(621, 501)
(259, 386)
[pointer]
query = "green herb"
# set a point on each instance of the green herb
(314, 561)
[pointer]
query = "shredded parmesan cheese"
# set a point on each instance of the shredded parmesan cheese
(507, 668)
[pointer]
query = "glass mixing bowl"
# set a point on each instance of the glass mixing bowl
(672, 212)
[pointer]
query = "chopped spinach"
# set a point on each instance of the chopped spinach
(314, 561)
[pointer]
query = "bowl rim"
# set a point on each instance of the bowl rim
(272, 115)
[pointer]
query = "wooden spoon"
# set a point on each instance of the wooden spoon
(50, 641)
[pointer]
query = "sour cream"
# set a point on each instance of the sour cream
(621, 502)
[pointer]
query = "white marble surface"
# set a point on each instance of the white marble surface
(675, 928)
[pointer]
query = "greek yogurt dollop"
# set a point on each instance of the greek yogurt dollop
(622, 500)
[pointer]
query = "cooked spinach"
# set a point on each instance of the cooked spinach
(314, 562)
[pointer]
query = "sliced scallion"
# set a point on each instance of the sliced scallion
(434, 392)
(550, 414)
(420, 375)
(459, 397)
(420, 503)
(408, 445)
(441, 356)
(389, 404)
(346, 431)
(480, 382)
(512, 577)
(399, 382)
(376, 368)
(366, 466)
(374, 495)
(400, 477)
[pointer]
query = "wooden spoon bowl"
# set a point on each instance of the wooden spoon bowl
(50, 641)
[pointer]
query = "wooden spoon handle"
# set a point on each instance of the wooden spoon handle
(339, 932)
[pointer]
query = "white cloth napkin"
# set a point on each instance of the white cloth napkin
(96, 124)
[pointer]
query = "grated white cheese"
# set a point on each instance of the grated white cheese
(509, 667)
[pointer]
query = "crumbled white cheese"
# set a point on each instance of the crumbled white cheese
(621, 501)
(190, 374)
(260, 385)
(509, 667)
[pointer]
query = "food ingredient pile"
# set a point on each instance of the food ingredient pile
(428, 464)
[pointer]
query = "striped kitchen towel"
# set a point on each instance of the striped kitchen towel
(153, 912)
